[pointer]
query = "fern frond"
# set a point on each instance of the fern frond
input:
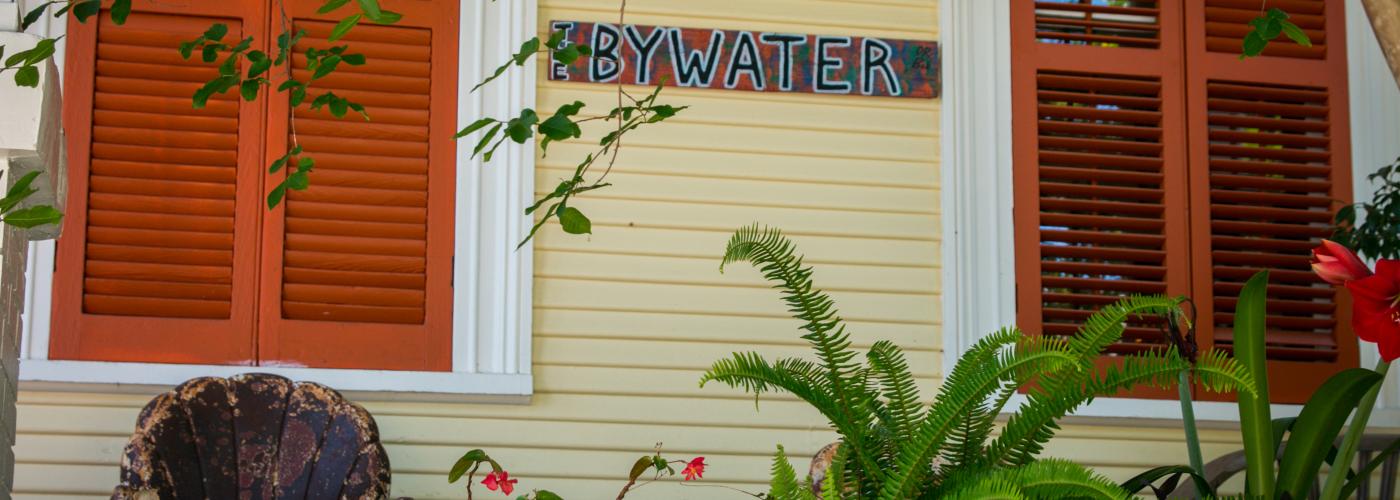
(801, 378)
(989, 489)
(835, 485)
(784, 485)
(897, 384)
(1105, 326)
(1221, 373)
(973, 380)
(775, 257)
(1054, 479)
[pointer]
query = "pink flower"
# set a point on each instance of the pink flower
(1375, 311)
(1337, 264)
(695, 469)
(500, 480)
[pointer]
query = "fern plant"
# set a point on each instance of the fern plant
(893, 446)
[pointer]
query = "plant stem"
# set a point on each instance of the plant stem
(1188, 421)
(1337, 476)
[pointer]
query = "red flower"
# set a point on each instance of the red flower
(695, 469)
(500, 480)
(1375, 311)
(1337, 264)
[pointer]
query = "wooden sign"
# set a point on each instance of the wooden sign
(749, 60)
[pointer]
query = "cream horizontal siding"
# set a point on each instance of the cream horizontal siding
(627, 319)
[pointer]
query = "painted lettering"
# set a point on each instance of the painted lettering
(745, 59)
(557, 70)
(606, 63)
(826, 63)
(695, 68)
(786, 44)
(645, 48)
(875, 56)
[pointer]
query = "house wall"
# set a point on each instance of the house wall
(627, 319)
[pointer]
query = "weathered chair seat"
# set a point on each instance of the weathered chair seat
(250, 437)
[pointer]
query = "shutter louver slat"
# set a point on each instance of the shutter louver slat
(1295, 334)
(354, 211)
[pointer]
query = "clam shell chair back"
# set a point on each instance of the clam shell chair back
(253, 436)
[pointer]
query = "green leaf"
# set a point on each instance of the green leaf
(1150, 477)
(34, 15)
(331, 5)
(375, 13)
(120, 10)
(1293, 32)
(297, 96)
(344, 26)
(22, 184)
(527, 49)
(211, 53)
(475, 126)
(574, 221)
(27, 76)
(338, 107)
(486, 139)
(353, 59)
(1254, 44)
(1317, 427)
(275, 197)
(358, 109)
(41, 50)
(1255, 424)
(186, 49)
(261, 63)
(229, 66)
(249, 89)
(387, 17)
(639, 468)
(298, 181)
(216, 32)
(18, 192)
(520, 129)
(465, 464)
(33, 216)
(86, 9)
(327, 65)
(547, 495)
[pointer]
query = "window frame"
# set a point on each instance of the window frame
(979, 281)
(492, 291)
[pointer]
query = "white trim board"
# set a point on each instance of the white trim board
(492, 304)
(979, 286)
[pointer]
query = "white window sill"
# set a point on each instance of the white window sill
(360, 385)
(1132, 411)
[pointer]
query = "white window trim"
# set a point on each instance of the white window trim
(491, 330)
(979, 264)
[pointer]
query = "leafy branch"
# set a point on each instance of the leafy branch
(630, 114)
(34, 216)
(1268, 26)
(1375, 237)
(25, 63)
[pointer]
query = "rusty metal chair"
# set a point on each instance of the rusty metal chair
(1220, 470)
(253, 436)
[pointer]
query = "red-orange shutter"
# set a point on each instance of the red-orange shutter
(1099, 165)
(357, 269)
(1270, 162)
(158, 262)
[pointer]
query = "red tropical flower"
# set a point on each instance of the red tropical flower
(500, 480)
(695, 469)
(1375, 312)
(1337, 264)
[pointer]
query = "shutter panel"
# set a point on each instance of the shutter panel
(1099, 175)
(358, 267)
(1227, 23)
(1270, 163)
(159, 262)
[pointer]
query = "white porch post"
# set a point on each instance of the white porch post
(31, 139)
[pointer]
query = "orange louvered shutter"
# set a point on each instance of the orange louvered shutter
(357, 269)
(159, 260)
(1099, 163)
(1270, 163)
